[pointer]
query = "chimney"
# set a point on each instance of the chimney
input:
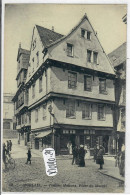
(53, 28)
(19, 45)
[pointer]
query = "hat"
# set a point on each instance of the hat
(81, 146)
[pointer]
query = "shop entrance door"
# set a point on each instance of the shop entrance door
(36, 143)
(105, 143)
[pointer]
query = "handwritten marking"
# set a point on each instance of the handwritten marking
(50, 161)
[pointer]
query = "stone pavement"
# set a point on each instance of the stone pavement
(70, 178)
(110, 169)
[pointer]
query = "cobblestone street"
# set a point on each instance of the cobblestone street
(70, 178)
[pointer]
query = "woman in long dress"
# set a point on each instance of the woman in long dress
(87, 156)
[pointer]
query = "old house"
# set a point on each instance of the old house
(70, 87)
(118, 59)
(22, 115)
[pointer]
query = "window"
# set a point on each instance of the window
(25, 74)
(70, 109)
(101, 112)
(88, 35)
(102, 85)
(37, 54)
(72, 80)
(95, 57)
(36, 115)
(86, 112)
(33, 90)
(82, 33)
(40, 84)
(34, 44)
(44, 112)
(69, 49)
(89, 54)
(33, 65)
(87, 83)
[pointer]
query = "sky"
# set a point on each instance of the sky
(20, 19)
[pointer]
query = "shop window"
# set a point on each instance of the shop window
(101, 112)
(70, 109)
(87, 83)
(86, 111)
(72, 80)
(102, 85)
(69, 50)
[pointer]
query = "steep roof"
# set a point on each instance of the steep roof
(48, 36)
(118, 56)
(22, 51)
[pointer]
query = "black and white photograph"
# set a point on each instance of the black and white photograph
(64, 98)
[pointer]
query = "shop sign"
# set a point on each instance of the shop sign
(68, 131)
(91, 132)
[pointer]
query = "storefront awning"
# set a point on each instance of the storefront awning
(43, 134)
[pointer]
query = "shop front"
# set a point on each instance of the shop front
(67, 139)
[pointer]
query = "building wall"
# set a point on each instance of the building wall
(41, 123)
(80, 45)
(59, 84)
(38, 48)
(60, 114)
(8, 111)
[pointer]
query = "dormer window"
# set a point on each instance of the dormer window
(88, 35)
(82, 33)
(69, 50)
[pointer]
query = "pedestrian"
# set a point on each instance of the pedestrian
(99, 159)
(10, 145)
(4, 153)
(81, 156)
(95, 153)
(28, 156)
(122, 162)
(74, 152)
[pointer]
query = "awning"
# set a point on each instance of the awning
(43, 134)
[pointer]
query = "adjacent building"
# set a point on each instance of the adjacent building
(70, 88)
(8, 112)
(118, 59)
(20, 99)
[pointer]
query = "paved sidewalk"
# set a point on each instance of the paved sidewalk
(109, 169)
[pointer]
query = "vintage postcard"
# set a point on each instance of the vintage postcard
(64, 98)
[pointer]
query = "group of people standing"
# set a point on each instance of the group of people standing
(80, 154)
(6, 149)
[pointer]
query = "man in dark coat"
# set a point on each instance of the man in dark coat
(10, 145)
(4, 153)
(29, 156)
(75, 153)
(95, 152)
(81, 156)
(100, 159)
